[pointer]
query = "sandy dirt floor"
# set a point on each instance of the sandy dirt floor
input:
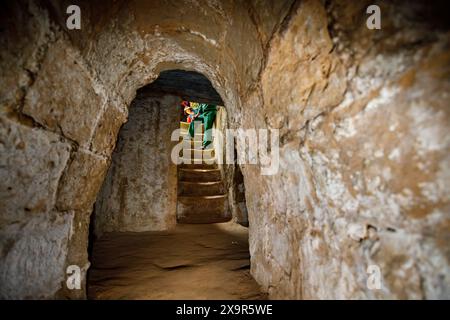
(190, 262)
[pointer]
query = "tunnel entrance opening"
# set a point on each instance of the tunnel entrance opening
(196, 204)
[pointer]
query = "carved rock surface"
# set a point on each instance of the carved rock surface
(363, 120)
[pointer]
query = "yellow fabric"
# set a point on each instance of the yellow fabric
(194, 105)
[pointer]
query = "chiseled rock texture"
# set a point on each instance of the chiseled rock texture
(140, 189)
(364, 125)
(364, 134)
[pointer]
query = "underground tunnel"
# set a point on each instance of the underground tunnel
(331, 120)
(145, 191)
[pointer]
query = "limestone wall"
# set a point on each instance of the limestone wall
(364, 173)
(363, 118)
(140, 190)
(51, 171)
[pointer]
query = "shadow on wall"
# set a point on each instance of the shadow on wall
(240, 206)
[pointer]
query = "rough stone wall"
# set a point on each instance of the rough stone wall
(140, 189)
(363, 118)
(50, 170)
(364, 173)
(236, 199)
(238, 203)
(64, 97)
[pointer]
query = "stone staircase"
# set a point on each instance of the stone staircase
(202, 196)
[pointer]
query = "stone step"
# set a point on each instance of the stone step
(188, 188)
(197, 153)
(185, 126)
(199, 175)
(203, 209)
(198, 161)
(192, 218)
(198, 166)
(197, 135)
(193, 144)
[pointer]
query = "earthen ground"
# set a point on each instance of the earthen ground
(206, 261)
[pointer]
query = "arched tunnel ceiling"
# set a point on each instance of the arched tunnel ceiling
(188, 85)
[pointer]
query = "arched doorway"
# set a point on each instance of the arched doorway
(145, 197)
